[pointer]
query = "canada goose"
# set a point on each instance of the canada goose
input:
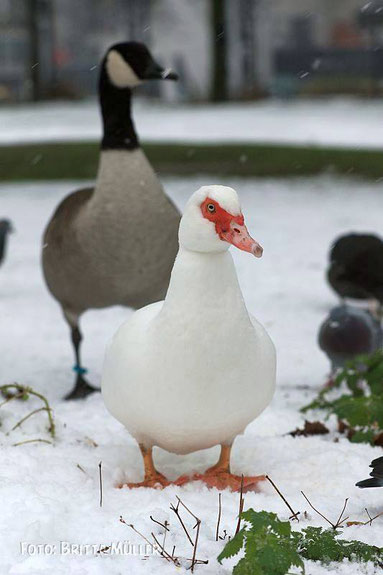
(113, 244)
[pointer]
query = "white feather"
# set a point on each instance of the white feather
(120, 73)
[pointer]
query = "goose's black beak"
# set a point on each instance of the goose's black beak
(168, 74)
(157, 72)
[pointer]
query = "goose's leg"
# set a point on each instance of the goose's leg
(82, 387)
(152, 477)
(220, 476)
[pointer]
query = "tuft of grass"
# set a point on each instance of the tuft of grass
(14, 391)
(79, 160)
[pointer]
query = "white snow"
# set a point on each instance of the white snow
(47, 498)
(335, 122)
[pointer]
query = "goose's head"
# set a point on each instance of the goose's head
(213, 220)
(128, 64)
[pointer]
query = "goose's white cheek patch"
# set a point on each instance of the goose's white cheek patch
(119, 71)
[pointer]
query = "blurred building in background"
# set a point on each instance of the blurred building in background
(222, 49)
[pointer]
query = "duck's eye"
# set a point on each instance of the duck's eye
(211, 208)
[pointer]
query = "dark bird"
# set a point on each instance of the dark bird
(376, 475)
(347, 332)
(113, 244)
(356, 267)
(5, 229)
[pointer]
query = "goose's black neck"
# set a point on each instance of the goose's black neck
(118, 127)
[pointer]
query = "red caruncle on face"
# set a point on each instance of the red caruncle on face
(230, 228)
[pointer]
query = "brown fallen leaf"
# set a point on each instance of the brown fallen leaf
(310, 428)
(378, 439)
(351, 523)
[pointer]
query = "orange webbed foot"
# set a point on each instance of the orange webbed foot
(155, 481)
(221, 479)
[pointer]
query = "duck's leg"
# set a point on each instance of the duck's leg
(220, 476)
(152, 477)
(82, 387)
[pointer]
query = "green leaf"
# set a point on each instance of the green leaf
(260, 519)
(232, 547)
(362, 408)
(319, 403)
(359, 411)
(361, 436)
(246, 567)
(323, 545)
(272, 548)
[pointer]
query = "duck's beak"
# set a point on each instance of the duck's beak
(238, 235)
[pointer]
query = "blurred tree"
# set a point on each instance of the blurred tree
(32, 22)
(40, 32)
(247, 38)
(219, 86)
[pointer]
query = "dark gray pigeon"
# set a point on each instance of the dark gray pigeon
(5, 229)
(376, 479)
(356, 267)
(347, 332)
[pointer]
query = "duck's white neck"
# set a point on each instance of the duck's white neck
(204, 283)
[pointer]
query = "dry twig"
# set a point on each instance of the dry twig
(371, 519)
(136, 531)
(294, 515)
(38, 440)
(164, 553)
(194, 560)
(340, 518)
(100, 481)
(241, 504)
(164, 525)
(219, 516)
(161, 547)
(176, 511)
(195, 544)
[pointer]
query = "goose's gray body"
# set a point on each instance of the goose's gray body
(114, 244)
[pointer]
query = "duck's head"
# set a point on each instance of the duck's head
(213, 220)
(128, 64)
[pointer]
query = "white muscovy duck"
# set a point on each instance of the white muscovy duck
(194, 370)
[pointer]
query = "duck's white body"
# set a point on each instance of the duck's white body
(194, 370)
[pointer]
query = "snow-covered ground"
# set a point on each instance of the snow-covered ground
(337, 122)
(50, 493)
